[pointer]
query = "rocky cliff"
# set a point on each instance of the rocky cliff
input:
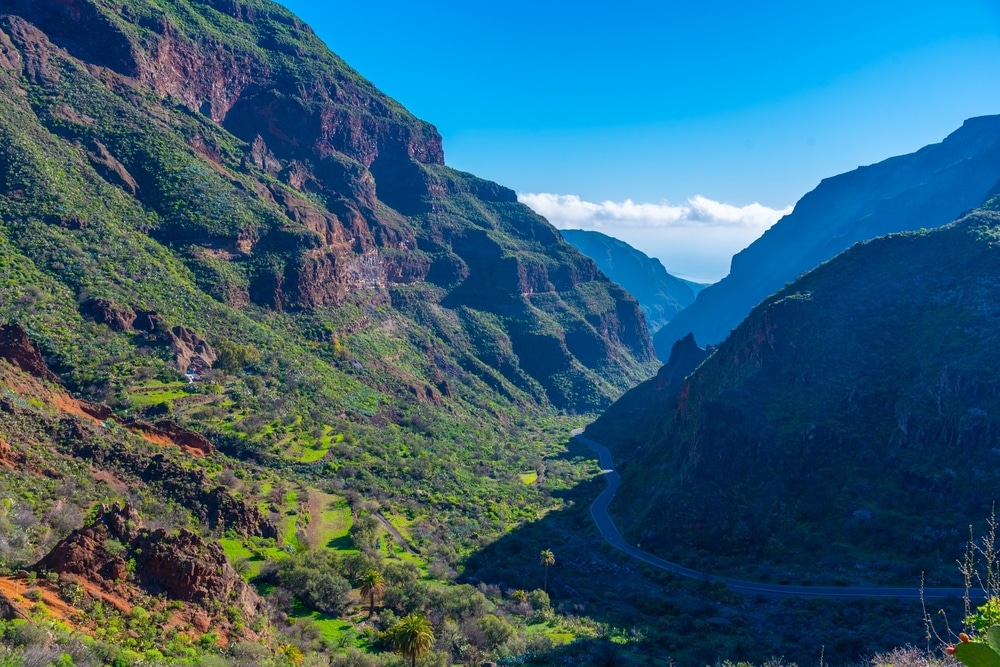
(855, 413)
(119, 556)
(660, 295)
(230, 138)
(925, 189)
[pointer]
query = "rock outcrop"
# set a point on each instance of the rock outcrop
(190, 487)
(189, 349)
(10, 457)
(18, 348)
(10, 610)
(118, 318)
(181, 567)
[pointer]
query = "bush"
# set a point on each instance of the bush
(312, 576)
(540, 601)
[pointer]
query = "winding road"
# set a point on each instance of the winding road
(608, 530)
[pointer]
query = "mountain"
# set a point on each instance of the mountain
(660, 295)
(174, 152)
(928, 188)
(853, 420)
(215, 163)
(243, 295)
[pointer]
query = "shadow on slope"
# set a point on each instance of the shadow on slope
(639, 615)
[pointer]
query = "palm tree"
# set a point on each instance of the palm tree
(546, 558)
(412, 637)
(372, 587)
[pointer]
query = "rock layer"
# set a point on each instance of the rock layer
(295, 185)
(182, 566)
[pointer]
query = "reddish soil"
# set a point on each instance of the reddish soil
(14, 590)
(28, 386)
(6, 455)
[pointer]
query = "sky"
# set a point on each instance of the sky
(683, 128)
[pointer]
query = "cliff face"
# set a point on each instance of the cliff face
(925, 189)
(283, 180)
(660, 295)
(179, 567)
(855, 413)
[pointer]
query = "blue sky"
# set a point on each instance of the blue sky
(685, 106)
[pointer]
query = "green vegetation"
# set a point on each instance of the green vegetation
(412, 637)
(831, 422)
(362, 367)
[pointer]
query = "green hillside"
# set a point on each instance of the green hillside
(258, 307)
(851, 419)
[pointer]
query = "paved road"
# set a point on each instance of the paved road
(608, 530)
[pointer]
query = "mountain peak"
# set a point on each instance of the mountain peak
(925, 189)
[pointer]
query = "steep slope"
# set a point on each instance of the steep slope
(212, 160)
(853, 419)
(660, 295)
(210, 224)
(925, 189)
(59, 459)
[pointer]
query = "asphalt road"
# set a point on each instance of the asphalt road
(608, 530)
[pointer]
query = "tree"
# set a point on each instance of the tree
(372, 587)
(313, 577)
(546, 558)
(412, 637)
(364, 532)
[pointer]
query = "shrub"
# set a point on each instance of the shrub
(312, 576)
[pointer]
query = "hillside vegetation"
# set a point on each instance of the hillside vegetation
(852, 419)
(204, 187)
(248, 315)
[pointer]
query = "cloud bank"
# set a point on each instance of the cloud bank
(694, 240)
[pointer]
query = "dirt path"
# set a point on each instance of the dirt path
(395, 534)
(315, 505)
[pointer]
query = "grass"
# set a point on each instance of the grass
(155, 392)
(558, 635)
(528, 478)
(401, 523)
(316, 451)
(334, 522)
(237, 551)
(336, 631)
(313, 454)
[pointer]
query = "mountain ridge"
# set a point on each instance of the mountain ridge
(336, 194)
(660, 294)
(874, 368)
(927, 188)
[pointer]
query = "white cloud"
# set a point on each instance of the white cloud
(695, 240)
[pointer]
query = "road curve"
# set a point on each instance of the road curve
(608, 530)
